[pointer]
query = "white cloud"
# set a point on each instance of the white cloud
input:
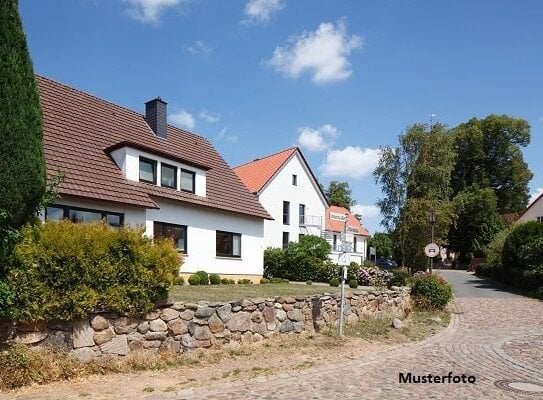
(322, 53)
(224, 135)
(149, 11)
(535, 195)
(261, 11)
(317, 139)
(200, 47)
(353, 162)
(209, 117)
(367, 211)
(183, 119)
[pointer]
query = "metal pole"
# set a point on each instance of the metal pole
(343, 276)
(433, 221)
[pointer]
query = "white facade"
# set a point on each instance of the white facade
(305, 192)
(355, 246)
(534, 212)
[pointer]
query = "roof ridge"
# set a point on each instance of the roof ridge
(268, 156)
(111, 103)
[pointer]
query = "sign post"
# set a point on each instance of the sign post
(344, 248)
(431, 250)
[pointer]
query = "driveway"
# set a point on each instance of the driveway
(495, 336)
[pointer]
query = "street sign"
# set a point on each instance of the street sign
(431, 250)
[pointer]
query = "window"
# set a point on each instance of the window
(300, 236)
(187, 181)
(285, 240)
(354, 245)
(168, 176)
(228, 244)
(76, 214)
(301, 211)
(334, 244)
(147, 170)
(295, 180)
(540, 220)
(286, 212)
(178, 233)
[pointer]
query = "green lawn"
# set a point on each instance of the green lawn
(188, 293)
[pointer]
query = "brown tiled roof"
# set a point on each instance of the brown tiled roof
(80, 128)
(256, 174)
(338, 226)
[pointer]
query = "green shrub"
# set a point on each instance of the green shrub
(523, 247)
(399, 278)
(6, 301)
(214, 279)
(334, 282)
(244, 281)
(226, 281)
(353, 283)
(203, 277)
(194, 280)
(61, 270)
(179, 280)
(309, 283)
(264, 281)
(539, 293)
(327, 271)
(431, 292)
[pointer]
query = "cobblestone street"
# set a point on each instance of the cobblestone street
(494, 336)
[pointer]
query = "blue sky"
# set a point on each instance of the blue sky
(339, 78)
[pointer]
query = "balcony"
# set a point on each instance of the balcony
(311, 221)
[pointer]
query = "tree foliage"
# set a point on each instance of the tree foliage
(383, 245)
(22, 166)
(489, 155)
(339, 194)
(478, 221)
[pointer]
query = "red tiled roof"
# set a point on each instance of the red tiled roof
(80, 128)
(256, 174)
(339, 226)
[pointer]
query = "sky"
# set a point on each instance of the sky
(339, 78)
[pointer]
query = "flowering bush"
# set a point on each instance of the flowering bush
(373, 276)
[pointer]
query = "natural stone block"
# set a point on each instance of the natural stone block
(188, 341)
(152, 344)
(258, 300)
(152, 315)
(177, 327)
(240, 322)
(225, 312)
(83, 334)
(60, 340)
(84, 354)
(286, 326)
(286, 299)
(99, 323)
(143, 327)
(288, 307)
(202, 343)
(118, 345)
(295, 315)
(281, 315)
(191, 306)
(30, 337)
(103, 336)
(298, 326)
(257, 316)
(178, 306)
(257, 337)
(246, 303)
(259, 327)
(187, 315)
(156, 336)
(215, 324)
(134, 336)
(247, 337)
(271, 325)
(269, 314)
(136, 345)
(250, 308)
(170, 345)
(158, 325)
(236, 308)
(204, 312)
(124, 325)
(202, 333)
(168, 314)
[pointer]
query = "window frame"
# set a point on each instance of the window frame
(334, 242)
(154, 164)
(66, 213)
(285, 243)
(294, 180)
(231, 237)
(355, 243)
(193, 174)
(301, 216)
(539, 219)
(286, 215)
(162, 165)
(185, 236)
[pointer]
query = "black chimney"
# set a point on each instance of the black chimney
(155, 115)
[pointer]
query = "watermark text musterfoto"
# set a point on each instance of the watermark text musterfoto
(409, 377)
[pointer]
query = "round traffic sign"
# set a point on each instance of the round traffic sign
(431, 250)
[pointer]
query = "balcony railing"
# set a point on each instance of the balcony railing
(311, 220)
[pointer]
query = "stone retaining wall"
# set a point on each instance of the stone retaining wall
(181, 327)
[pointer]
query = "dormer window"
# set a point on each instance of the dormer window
(168, 176)
(187, 180)
(147, 170)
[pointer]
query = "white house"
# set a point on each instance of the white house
(288, 190)
(534, 211)
(346, 235)
(134, 169)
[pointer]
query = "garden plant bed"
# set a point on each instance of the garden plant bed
(189, 293)
(139, 376)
